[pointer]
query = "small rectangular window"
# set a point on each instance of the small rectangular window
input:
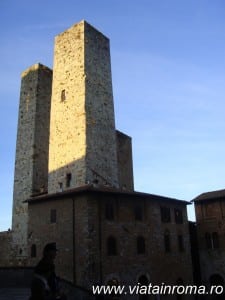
(33, 250)
(68, 179)
(178, 216)
(63, 95)
(165, 214)
(167, 242)
(53, 216)
(138, 212)
(109, 210)
(215, 240)
(60, 187)
(208, 241)
(180, 243)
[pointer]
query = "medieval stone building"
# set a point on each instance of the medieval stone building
(210, 218)
(74, 177)
(74, 180)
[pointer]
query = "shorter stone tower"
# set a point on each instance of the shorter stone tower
(31, 165)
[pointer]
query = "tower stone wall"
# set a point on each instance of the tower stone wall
(31, 165)
(101, 157)
(82, 130)
(125, 161)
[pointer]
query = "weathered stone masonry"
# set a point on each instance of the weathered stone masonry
(78, 143)
(31, 165)
(82, 134)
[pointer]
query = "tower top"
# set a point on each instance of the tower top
(84, 24)
(35, 67)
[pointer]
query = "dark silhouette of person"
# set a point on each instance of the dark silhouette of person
(45, 283)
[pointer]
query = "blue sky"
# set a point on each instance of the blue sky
(168, 64)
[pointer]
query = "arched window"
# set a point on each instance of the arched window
(111, 246)
(167, 243)
(215, 240)
(140, 245)
(208, 241)
(179, 282)
(143, 280)
(33, 251)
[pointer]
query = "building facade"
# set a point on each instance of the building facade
(108, 235)
(74, 179)
(210, 218)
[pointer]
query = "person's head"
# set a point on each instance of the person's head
(50, 251)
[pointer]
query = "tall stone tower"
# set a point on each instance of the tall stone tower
(31, 165)
(82, 128)
(66, 131)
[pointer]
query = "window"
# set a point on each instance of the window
(60, 186)
(167, 241)
(140, 245)
(180, 242)
(138, 212)
(109, 210)
(179, 282)
(111, 246)
(33, 251)
(208, 241)
(143, 280)
(215, 240)
(68, 179)
(53, 216)
(63, 95)
(165, 214)
(178, 216)
(212, 240)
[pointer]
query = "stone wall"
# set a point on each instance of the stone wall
(82, 130)
(82, 239)
(68, 121)
(101, 153)
(125, 161)
(42, 230)
(5, 248)
(210, 220)
(31, 165)
(127, 266)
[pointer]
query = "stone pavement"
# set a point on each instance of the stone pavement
(14, 293)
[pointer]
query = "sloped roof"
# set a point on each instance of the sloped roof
(210, 196)
(105, 190)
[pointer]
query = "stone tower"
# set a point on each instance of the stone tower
(82, 128)
(31, 165)
(66, 130)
